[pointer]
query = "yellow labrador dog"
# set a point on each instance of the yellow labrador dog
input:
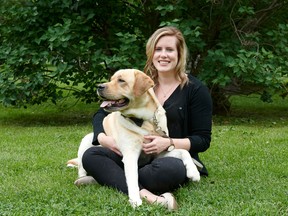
(130, 94)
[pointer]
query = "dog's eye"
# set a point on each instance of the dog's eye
(121, 80)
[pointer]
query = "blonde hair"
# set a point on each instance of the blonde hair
(181, 48)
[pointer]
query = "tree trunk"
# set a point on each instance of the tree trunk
(221, 103)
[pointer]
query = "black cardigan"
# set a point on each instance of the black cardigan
(189, 115)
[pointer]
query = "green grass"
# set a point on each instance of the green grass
(247, 163)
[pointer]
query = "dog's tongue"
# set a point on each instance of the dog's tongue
(105, 103)
(112, 102)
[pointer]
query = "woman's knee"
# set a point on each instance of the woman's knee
(97, 150)
(163, 174)
(88, 155)
(96, 153)
(169, 166)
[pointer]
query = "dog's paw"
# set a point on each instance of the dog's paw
(85, 180)
(73, 163)
(193, 175)
(135, 203)
(72, 166)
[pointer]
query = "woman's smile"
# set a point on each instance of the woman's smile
(165, 56)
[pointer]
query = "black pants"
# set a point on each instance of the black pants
(159, 176)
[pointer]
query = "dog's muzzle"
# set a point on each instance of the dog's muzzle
(100, 89)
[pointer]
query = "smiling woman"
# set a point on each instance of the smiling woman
(165, 56)
(127, 137)
(188, 108)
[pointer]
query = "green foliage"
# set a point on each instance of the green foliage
(47, 46)
(247, 71)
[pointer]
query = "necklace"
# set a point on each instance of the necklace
(165, 93)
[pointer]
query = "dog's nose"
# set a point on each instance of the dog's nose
(100, 87)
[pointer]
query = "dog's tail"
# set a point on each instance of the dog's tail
(72, 163)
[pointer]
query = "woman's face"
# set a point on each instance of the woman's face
(165, 56)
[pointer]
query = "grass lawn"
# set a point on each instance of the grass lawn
(247, 163)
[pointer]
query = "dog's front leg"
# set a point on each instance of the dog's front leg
(130, 160)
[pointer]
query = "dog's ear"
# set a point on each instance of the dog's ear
(142, 83)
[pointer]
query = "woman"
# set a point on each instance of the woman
(189, 117)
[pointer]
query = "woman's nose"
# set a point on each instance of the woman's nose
(163, 53)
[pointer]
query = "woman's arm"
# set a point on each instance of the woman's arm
(199, 120)
(97, 124)
(159, 144)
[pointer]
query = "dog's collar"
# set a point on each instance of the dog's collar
(136, 121)
(157, 127)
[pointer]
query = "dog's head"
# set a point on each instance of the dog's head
(125, 87)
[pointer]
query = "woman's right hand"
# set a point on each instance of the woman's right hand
(108, 142)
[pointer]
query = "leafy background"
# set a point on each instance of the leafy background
(48, 46)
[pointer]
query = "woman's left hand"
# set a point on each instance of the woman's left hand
(155, 144)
